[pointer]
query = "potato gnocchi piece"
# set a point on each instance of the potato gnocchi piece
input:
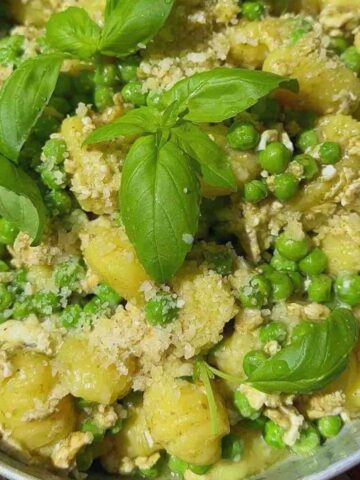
(94, 172)
(24, 408)
(178, 416)
(326, 85)
(251, 42)
(87, 374)
(110, 255)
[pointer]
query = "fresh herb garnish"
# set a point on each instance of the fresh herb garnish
(311, 361)
(161, 207)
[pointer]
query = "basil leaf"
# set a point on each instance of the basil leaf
(23, 98)
(73, 31)
(215, 167)
(131, 23)
(222, 93)
(135, 122)
(311, 361)
(20, 200)
(159, 200)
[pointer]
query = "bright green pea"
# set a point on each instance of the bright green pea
(132, 93)
(232, 447)
(243, 136)
(266, 109)
(8, 232)
(106, 74)
(275, 157)
(286, 186)
(329, 426)
(54, 150)
(245, 409)
(282, 287)
(45, 303)
(291, 248)
(71, 316)
(351, 58)
(301, 329)
(281, 263)
(256, 294)
(20, 280)
(253, 10)
(53, 178)
(199, 469)
(314, 263)
(265, 268)
(177, 465)
(11, 48)
(84, 459)
(94, 307)
(308, 442)
(68, 274)
(255, 191)
(161, 309)
(23, 308)
(103, 97)
(338, 44)
(253, 360)
(273, 435)
(58, 202)
(152, 472)
(297, 281)
(330, 153)
(107, 294)
(302, 28)
(307, 139)
(273, 331)
(89, 425)
(6, 297)
(128, 69)
(309, 164)
(347, 288)
(319, 288)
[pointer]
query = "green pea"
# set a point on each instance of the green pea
(307, 139)
(309, 164)
(286, 186)
(253, 360)
(161, 309)
(103, 97)
(94, 307)
(308, 442)
(265, 268)
(282, 287)
(329, 426)
(274, 434)
(351, 58)
(199, 469)
(319, 288)
(8, 232)
(128, 69)
(53, 178)
(266, 109)
(243, 136)
(256, 294)
(54, 150)
(253, 10)
(11, 48)
(291, 248)
(330, 153)
(338, 44)
(232, 447)
(106, 74)
(58, 202)
(275, 157)
(314, 263)
(89, 425)
(4, 267)
(23, 308)
(45, 303)
(84, 459)
(301, 329)
(107, 294)
(177, 465)
(245, 409)
(281, 263)
(152, 472)
(64, 86)
(298, 282)
(273, 331)
(221, 262)
(71, 315)
(132, 93)
(255, 191)
(6, 297)
(153, 99)
(68, 274)
(302, 28)
(347, 288)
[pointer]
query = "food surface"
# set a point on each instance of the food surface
(179, 233)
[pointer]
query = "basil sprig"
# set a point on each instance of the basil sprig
(159, 194)
(129, 25)
(311, 361)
